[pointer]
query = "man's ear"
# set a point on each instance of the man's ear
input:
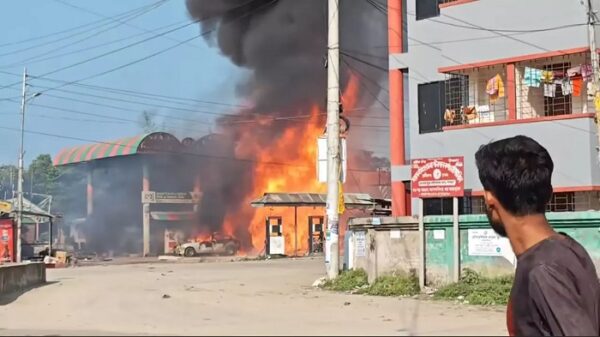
(490, 199)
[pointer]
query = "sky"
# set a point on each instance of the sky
(47, 36)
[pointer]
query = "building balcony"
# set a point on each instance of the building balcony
(527, 91)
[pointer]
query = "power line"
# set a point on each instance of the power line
(145, 57)
(189, 120)
(127, 92)
(300, 119)
(37, 59)
(118, 50)
(251, 161)
(367, 89)
(130, 12)
(87, 37)
(365, 62)
(115, 20)
(115, 99)
(383, 9)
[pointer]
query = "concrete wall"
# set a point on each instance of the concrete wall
(456, 37)
(386, 253)
(17, 277)
(574, 159)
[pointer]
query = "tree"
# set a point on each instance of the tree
(8, 180)
(41, 176)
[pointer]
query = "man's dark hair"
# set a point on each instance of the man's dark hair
(518, 172)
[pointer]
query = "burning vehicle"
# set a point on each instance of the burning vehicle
(218, 244)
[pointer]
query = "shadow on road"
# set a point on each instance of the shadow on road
(8, 298)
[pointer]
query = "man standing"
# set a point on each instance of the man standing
(556, 290)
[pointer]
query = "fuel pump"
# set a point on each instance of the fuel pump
(315, 234)
(275, 243)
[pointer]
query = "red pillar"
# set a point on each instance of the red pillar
(511, 88)
(396, 86)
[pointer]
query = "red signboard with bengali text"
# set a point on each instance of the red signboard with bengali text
(438, 177)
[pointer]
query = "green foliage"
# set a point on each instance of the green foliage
(348, 281)
(8, 180)
(473, 288)
(388, 285)
(394, 285)
(41, 175)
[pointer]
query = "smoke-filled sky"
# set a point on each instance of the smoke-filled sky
(283, 43)
(194, 70)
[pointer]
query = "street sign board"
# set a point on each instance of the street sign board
(151, 197)
(438, 177)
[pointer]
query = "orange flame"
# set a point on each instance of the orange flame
(286, 165)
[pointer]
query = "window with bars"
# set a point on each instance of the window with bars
(559, 103)
(457, 97)
(477, 96)
(574, 201)
(552, 87)
(443, 206)
(560, 202)
(426, 9)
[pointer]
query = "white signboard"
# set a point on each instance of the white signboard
(152, 197)
(322, 159)
(395, 234)
(439, 234)
(361, 244)
(276, 245)
(485, 242)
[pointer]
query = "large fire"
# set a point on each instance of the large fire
(286, 165)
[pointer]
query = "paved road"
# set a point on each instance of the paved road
(223, 298)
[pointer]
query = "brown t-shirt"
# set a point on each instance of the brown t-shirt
(556, 291)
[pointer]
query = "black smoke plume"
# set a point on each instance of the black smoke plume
(284, 45)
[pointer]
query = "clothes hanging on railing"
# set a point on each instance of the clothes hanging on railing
(547, 76)
(495, 88)
(577, 83)
(566, 86)
(574, 71)
(587, 72)
(549, 89)
(571, 81)
(532, 77)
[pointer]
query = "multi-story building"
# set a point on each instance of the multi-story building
(466, 72)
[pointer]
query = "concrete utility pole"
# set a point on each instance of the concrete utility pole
(333, 140)
(594, 59)
(20, 174)
(24, 99)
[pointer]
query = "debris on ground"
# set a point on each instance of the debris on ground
(319, 282)
(168, 258)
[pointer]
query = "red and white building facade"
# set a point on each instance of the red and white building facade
(467, 72)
